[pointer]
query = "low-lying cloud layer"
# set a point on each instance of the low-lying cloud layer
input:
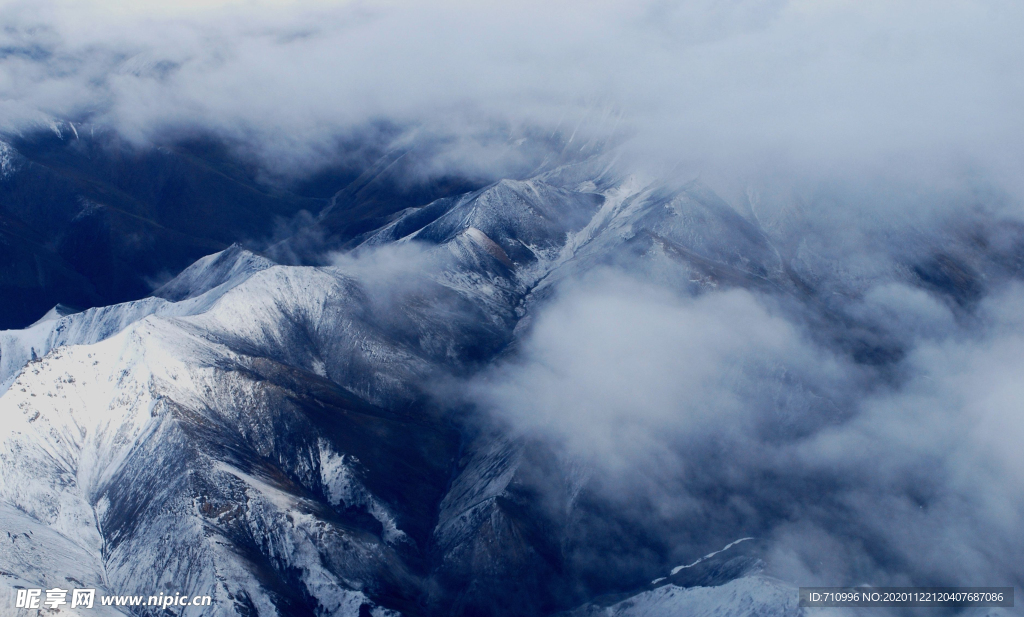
(740, 88)
(717, 417)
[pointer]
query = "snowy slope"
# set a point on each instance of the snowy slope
(206, 403)
(218, 272)
(182, 394)
(191, 292)
(523, 224)
(270, 435)
(9, 160)
(170, 464)
(755, 596)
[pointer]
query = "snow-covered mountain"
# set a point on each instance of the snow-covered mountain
(280, 438)
(88, 218)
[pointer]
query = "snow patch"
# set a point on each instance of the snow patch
(677, 569)
(337, 474)
(755, 596)
(8, 156)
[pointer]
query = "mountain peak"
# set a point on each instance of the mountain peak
(228, 267)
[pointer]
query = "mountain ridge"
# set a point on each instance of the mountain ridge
(289, 427)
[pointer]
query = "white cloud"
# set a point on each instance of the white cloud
(738, 85)
(617, 368)
(714, 415)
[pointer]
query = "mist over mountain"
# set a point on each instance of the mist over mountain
(620, 309)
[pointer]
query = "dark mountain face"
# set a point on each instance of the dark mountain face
(119, 217)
